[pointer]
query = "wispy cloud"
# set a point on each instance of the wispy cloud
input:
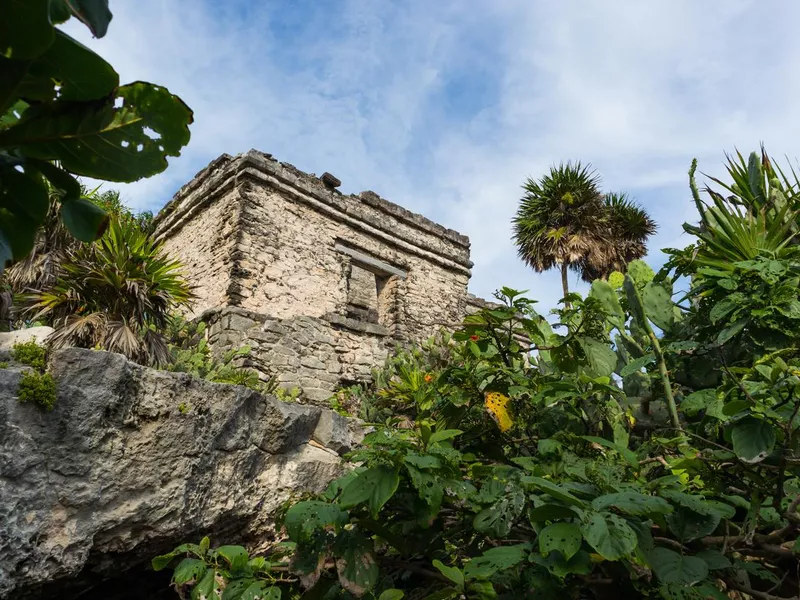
(447, 107)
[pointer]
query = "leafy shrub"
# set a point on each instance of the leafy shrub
(189, 353)
(31, 354)
(648, 448)
(39, 388)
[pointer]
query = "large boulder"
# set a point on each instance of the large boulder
(133, 461)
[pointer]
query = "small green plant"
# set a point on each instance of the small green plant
(183, 408)
(39, 388)
(3, 364)
(190, 353)
(287, 395)
(31, 354)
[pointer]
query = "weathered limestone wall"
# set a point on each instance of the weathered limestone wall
(203, 222)
(278, 241)
(313, 354)
(133, 461)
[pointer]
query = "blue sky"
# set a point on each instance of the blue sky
(446, 107)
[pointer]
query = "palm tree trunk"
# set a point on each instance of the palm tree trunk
(565, 281)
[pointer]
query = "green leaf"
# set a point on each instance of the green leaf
(23, 194)
(705, 400)
(207, 587)
(376, 485)
(564, 537)
(444, 594)
(62, 181)
(25, 29)
(658, 305)
(753, 439)
(731, 332)
(84, 219)
(94, 14)
(496, 559)
(79, 73)
(603, 291)
(688, 525)
(637, 365)
(446, 434)
(497, 520)
(391, 594)
(188, 569)
(601, 357)
(554, 490)
(358, 572)
(714, 559)
(550, 512)
(633, 503)
(236, 556)
(610, 535)
(304, 518)
(722, 309)
(671, 567)
(452, 573)
(102, 141)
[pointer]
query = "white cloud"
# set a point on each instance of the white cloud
(447, 107)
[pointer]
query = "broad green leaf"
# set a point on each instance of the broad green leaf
(257, 592)
(680, 591)
(447, 593)
(376, 485)
(94, 14)
(12, 74)
(554, 490)
(102, 141)
(83, 219)
(550, 512)
(207, 587)
(729, 333)
(753, 439)
(603, 291)
(304, 518)
(236, 556)
(66, 184)
(722, 309)
(452, 573)
(441, 436)
(688, 525)
(714, 559)
(25, 29)
(610, 535)
(23, 193)
(637, 364)
(671, 567)
(391, 594)
(495, 560)
(705, 400)
(658, 305)
(189, 569)
(428, 486)
(564, 537)
(74, 70)
(633, 503)
(355, 565)
(601, 357)
(496, 520)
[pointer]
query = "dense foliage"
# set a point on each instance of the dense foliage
(648, 448)
(564, 221)
(117, 294)
(190, 353)
(63, 113)
(35, 385)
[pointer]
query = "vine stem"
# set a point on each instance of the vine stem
(662, 369)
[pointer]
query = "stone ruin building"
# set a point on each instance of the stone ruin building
(320, 285)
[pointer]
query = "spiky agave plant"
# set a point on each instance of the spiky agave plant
(117, 294)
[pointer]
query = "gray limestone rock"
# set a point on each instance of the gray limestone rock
(133, 461)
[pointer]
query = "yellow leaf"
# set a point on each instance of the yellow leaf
(596, 558)
(497, 405)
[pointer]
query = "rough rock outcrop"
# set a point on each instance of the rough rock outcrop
(133, 461)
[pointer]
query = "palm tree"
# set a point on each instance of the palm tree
(561, 220)
(629, 226)
(116, 293)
